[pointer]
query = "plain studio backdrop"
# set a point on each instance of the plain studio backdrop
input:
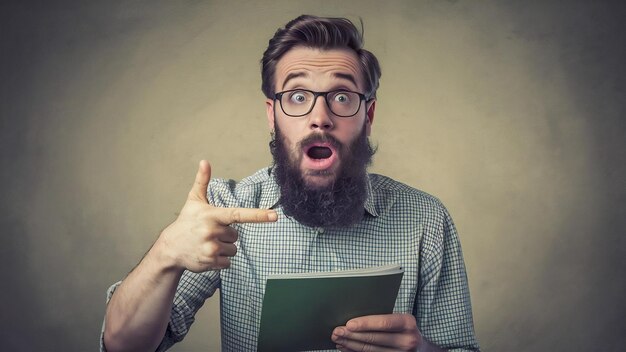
(511, 112)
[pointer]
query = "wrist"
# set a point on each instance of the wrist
(162, 257)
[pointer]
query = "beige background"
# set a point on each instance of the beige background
(511, 112)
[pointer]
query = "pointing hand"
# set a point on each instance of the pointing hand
(200, 238)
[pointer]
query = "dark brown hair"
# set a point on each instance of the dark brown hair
(319, 33)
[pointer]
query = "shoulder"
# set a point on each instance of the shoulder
(383, 186)
(392, 195)
(248, 193)
(413, 208)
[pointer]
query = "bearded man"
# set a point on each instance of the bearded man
(315, 209)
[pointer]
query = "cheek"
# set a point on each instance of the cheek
(350, 131)
(291, 134)
(288, 143)
(290, 147)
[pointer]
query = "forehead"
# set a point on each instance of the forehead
(301, 63)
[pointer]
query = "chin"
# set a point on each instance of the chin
(319, 179)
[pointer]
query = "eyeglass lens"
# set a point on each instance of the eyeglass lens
(300, 102)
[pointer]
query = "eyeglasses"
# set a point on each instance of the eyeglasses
(300, 102)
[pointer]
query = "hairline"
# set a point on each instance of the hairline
(355, 56)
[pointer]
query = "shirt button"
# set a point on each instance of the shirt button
(319, 230)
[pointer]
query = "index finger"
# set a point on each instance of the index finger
(227, 216)
(383, 322)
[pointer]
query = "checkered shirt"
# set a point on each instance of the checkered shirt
(402, 225)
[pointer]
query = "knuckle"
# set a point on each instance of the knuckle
(386, 324)
(235, 215)
(366, 348)
(204, 229)
(207, 233)
(212, 249)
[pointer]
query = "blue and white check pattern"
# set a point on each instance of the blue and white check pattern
(402, 225)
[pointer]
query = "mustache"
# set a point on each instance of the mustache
(320, 138)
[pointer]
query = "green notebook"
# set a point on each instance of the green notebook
(300, 311)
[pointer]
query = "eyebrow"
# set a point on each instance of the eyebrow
(292, 76)
(345, 76)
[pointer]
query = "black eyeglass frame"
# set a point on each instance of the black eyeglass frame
(278, 96)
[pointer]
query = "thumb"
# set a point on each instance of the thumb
(200, 185)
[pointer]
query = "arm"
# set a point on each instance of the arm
(139, 311)
(442, 308)
(199, 240)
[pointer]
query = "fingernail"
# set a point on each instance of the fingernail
(340, 332)
(352, 325)
(272, 216)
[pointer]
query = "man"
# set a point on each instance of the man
(315, 209)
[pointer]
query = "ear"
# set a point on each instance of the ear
(269, 110)
(371, 107)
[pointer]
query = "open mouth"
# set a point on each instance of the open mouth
(319, 156)
(319, 152)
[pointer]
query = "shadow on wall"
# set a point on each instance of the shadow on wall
(581, 264)
(27, 330)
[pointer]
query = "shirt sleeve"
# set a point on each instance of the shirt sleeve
(193, 290)
(443, 309)
(109, 295)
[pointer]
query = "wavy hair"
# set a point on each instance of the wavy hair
(319, 33)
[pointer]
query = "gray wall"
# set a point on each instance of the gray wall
(511, 112)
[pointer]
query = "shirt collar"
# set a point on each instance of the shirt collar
(272, 195)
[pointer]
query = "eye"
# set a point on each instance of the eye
(342, 98)
(298, 97)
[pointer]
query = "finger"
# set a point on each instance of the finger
(404, 341)
(213, 262)
(221, 263)
(385, 322)
(228, 235)
(228, 250)
(349, 345)
(227, 216)
(201, 183)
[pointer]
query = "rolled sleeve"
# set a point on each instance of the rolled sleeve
(110, 292)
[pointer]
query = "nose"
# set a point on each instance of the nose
(320, 117)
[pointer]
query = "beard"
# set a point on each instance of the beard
(339, 203)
